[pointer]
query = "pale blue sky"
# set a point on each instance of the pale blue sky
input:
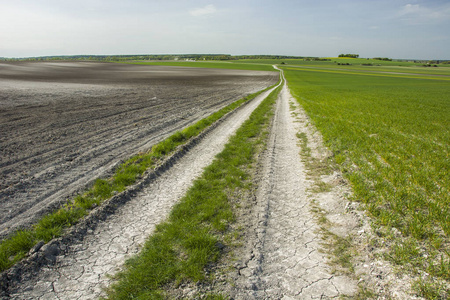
(386, 28)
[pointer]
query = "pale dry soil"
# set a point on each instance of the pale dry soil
(64, 124)
(282, 253)
(81, 269)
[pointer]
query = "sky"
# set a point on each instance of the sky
(409, 29)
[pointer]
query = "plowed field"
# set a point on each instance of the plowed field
(65, 124)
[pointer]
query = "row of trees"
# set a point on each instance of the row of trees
(126, 57)
(267, 57)
(349, 55)
(155, 57)
(383, 58)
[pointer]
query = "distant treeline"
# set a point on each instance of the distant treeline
(267, 57)
(196, 57)
(349, 55)
(383, 58)
(123, 57)
(152, 57)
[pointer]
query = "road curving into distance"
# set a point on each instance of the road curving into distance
(282, 257)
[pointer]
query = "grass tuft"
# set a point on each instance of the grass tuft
(429, 289)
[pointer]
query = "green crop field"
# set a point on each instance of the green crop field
(390, 135)
(361, 65)
(357, 64)
(208, 64)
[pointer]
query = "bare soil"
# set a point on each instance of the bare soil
(63, 124)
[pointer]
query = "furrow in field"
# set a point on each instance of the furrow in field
(64, 169)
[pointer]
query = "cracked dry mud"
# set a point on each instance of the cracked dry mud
(283, 257)
(80, 272)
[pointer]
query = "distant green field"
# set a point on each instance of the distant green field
(335, 60)
(357, 65)
(380, 73)
(437, 73)
(391, 136)
(378, 66)
(208, 64)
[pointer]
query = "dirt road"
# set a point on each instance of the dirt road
(64, 124)
(281, 258)
(81, 269)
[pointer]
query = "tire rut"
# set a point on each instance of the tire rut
(282, 256)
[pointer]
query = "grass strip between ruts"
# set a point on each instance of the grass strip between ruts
(193, 235)
(17, 245)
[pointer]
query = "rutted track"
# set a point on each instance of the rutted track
(65, 124)
(80, 269)
(282, 257)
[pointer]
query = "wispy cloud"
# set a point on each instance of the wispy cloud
(374, 27)
(203, 11)
(409, 9)
(418, 14)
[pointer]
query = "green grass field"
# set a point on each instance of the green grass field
(390, 136)
(400, 72)
(208, 64)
